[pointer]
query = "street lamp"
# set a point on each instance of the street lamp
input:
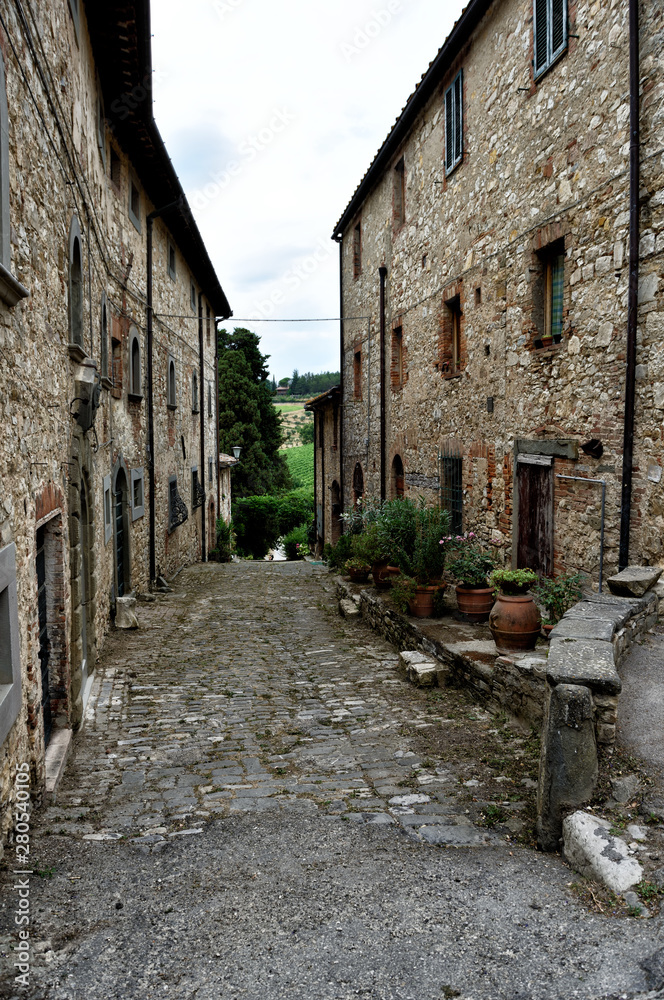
(236, 451)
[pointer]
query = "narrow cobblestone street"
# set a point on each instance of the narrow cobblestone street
(249, 814)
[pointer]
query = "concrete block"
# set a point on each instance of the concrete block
(634, 581)
(568, 760)
(583, 661)
(125, 614)
(597, 854)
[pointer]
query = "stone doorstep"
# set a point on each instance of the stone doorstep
(57, 753)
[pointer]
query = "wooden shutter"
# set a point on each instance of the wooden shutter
(541, 34)
(558, 26)
(449, 130)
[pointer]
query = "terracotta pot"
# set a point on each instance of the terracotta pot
(475, 602)
(547, 630)
(358, 575)
(515, 623)
(421, 605)
(381, 575)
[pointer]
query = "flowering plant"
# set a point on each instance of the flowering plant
(469, 564)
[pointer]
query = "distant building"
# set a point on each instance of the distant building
(327, 466)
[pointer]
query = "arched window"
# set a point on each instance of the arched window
(358, 483)
(75, 285)
(171, 397)
(135, 385)
(194, 392)
(104, 337)
(398, 480)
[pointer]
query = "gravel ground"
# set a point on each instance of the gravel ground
(247, 815)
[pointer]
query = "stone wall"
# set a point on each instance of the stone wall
(70, 176)
(545, 165)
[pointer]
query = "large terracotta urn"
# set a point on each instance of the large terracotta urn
(475, 603)
(515, 623)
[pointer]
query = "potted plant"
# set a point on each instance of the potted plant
(415, 532)
(470, 566)
(515, 621)
(373, 546)
(357, 569)
(558, 595)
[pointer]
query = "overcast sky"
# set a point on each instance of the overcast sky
(272, 112)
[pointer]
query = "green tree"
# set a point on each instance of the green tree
(247, 416)
(295, 383)
(307, 433)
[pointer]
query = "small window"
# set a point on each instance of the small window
(399, 196)
(115, 168)
(452, 489)
(454, 307)
(397, 365)
(135, 384)
(210, 471)
(137, 494)
(104, 338)
(171, 261)
(197, 489)
(76, 16)
(75, 286)
(549, 294)
(10, 662)
(357, 373)
(208, 325)
(357, 250)
(454, 124)
(358, 483)
(210, 399)
(451, 334)
(101, 125)
(194, 393)
(108, 511)
(134, 202)
(177, 508)
(549, 33)
(171, 393)
(193, 297)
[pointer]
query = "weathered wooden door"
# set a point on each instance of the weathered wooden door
(535, 528)
(44, 644)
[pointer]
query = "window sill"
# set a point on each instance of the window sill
(448, 375)
(195, 411)
(106, 382)
(11, 290)
(76, 352)
(135, 397)
(171, 406)
(548, 351)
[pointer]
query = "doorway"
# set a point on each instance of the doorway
(122, 566)
(44, 641)
(535, 513)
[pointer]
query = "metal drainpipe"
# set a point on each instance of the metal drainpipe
(633, 295)
(382, 271)
(321, 426)
(149, 228)
(201, 407)
(216, 410)
(341, 372)
(315, 416)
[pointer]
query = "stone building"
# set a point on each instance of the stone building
(495, 243)
(108, 302)
(326, 409)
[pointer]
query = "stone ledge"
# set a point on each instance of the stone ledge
(57, 753)
(588, 662)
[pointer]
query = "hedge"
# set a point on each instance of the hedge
(260, 521)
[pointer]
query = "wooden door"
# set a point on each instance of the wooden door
(535, 537)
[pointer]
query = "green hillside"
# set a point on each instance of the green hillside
(301, 464)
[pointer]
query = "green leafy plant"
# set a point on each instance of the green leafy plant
(260, 521)
(296, 542)
(468, 564)
(403, 591)
(439, 603)
(513, 582)
(358, 564)
(224, 545)
(559, 594)
(336, 555)
(373, 543)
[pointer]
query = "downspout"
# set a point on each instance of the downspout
(201, 407)
(149, 228)
(216, 410)
(321, 434)
(341, 371)
(315, 416)
(382, 271)
(633, 294)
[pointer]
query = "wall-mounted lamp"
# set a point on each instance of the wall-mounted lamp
(236, 451)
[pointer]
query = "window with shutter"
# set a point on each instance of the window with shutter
(454, 124)
(549, 32)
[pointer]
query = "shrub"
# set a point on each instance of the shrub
(336, 555)
(558, 595)
(224, 544)
(296, 542)
(513, 582)
(261, 520)
(403, 591)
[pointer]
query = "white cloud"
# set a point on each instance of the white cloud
(272, 113)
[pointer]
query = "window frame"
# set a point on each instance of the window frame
(75, 335)
(357, 249)
(134, 217)
(74, 9)
(134, 338)
(552, 55)
(170, 251)
(210, 407)
(113, 159)
(210, 470)
(103, 332)
(171, 397)
(454, 123)
(399, 193)
(193, 295)
(195, 395)
(137, 510)
(397, 361)
(10, 673)
(357, 372)
(108, 513)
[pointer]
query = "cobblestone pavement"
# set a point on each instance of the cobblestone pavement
(246, 760)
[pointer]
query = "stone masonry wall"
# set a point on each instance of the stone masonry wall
(543, 162)
(59, 170)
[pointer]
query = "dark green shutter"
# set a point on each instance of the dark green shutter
(449, 130)
(458, 113)
(558, 32)
(541, 35)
